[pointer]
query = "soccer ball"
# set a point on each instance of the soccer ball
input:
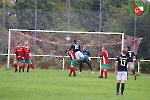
(68, 38)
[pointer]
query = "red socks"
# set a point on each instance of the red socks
(72, 70)
(101, 74)
(106, 73)
(20, 67)
(15, 66)
(31, 65)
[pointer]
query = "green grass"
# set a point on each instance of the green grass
(57, 85)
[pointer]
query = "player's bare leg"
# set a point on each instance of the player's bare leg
(28, 67)
(134, 74)
(106, 73)
(101, 73)
(15, 66)
(132, 69)
(80, 65)
(89, 64)
(70, 71)
(20, 66)
(23, 66)
(32, 66)
(74, 72)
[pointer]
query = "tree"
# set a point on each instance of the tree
(8, 3)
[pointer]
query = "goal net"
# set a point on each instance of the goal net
(48, 47)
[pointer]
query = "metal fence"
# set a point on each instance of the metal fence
(59, 20)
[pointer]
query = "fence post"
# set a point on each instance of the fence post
(63, 67)
(139, 67)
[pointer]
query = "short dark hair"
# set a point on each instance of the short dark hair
(128, 47)
(75, 41)
(19, 42)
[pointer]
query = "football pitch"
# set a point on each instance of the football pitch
(57, 85)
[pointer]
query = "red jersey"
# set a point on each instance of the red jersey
(104, 56)
(27, 52)
(19, 51)
(71, 54)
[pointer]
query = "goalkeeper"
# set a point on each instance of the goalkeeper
(86, 59)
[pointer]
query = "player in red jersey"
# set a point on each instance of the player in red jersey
(19, 51)
(104, 62)
(73, 62)
(27, 57)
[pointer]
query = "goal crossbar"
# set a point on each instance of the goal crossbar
(52, 31)
(75, 32)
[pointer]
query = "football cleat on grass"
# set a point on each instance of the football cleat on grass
(134, 76)
(117, 93)
(74, 75)
(16, 70)
(121, 93)
(106, 77)
(100, 77)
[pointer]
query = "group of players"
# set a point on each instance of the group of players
(83, 56)
(78, 56)
(123, 64)
(22, 57)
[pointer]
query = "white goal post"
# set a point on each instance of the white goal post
(62, 32)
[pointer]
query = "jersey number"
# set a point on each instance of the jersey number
(76, 47)
(130, 54)
(123, 62)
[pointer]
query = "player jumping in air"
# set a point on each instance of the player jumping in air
(121, 70)
(86, 54)
(19, 57)
(131, 55)
(73, 62)
(76, 49)
(104, 62)
(27, 57)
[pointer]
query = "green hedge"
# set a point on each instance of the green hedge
(145, 67)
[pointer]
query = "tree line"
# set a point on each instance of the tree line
(53, 14)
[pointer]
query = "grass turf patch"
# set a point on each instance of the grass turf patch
(57, 85)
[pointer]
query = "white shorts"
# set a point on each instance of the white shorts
(131, 65)
(79, 55)
(122, 75)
